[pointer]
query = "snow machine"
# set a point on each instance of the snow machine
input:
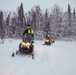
(47, 41)
(26, 47)
(52, 40)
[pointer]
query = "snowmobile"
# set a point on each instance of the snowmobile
(47, 41)
(52, 40)
(26, 47)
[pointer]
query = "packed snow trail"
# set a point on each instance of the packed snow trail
(57, 59)
(43, 58)
(20, 67)
(39, 66)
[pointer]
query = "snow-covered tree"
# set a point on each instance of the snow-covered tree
(7, 26)
(35, 19)
(39, 23)
(46, 22)
(74, 23)
(21, 19)
(69, 21)
(58, 23)
(56, 16)
(13, 27)
(2, 32)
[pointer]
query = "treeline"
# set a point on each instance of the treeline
(56, 22)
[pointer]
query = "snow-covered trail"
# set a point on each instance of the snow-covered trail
(57, 59)
(39, 66)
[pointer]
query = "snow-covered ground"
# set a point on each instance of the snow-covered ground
(57, 59)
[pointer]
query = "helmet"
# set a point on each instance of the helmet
(48, 35)
(30, 31)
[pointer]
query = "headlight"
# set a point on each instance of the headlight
(52, 40)
(46, 40)
(25, 44)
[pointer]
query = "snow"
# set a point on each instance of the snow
(57, 59)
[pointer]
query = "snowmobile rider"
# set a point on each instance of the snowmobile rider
(47, 39)
(48, 35)
(29, 34)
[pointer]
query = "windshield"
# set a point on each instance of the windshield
(27, 37)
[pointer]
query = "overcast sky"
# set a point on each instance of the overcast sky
(12, 5)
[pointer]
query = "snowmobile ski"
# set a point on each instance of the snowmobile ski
(13, 54)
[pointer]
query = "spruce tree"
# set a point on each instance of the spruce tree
(2, 32)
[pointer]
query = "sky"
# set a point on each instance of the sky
(12, 5)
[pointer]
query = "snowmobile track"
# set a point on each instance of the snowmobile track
(20, 67)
